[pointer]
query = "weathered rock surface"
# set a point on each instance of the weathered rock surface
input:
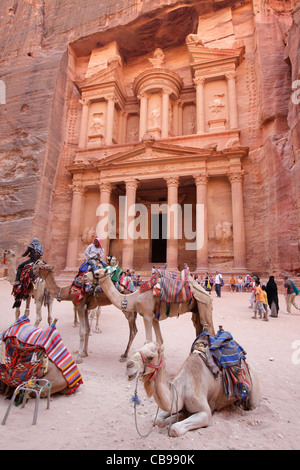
(39, 128)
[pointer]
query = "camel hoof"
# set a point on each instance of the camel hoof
(123, 358)
(75, 325)
(97, 330)
(79, 360)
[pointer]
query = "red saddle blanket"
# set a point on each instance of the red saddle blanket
(26, 279)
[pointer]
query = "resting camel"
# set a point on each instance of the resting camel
(194, 392)
(146, 304)
(53, 374)
(40, 294)
(86, 304)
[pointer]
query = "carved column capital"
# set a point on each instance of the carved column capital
(172, 181)
(231, 75)
(105, 186)
(235, 176)
(199, 81)
(132, 184)
(77, 188)
(201, 178)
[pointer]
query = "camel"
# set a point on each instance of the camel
(87, 303)
(194, 392)
(146, 304)
(38, 291)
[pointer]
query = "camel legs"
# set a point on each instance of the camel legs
(84, 331)
(195, 421)
(131, 317)
(92, 314)
(148, 330)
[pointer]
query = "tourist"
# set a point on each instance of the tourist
(272, 293)
(252, 296)
(258, 304)
(232, 283)
(290, 295)
(265, 301)
(134, 278)
(154, 270)
(207, 283)
(202, 282)
(247, 285)
(240, 284)
(35, 252)
(218, 283)
(139, 281)
(94, 253)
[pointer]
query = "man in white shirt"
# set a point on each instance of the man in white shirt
(218, 283)
(94, 252)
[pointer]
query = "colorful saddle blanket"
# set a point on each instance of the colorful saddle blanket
(51, 342)
(20, 362)
(222, 354)
(26, 279)
(147, 285)
(175, 287)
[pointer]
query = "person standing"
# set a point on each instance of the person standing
(272, 294)
(290, 295)
(258, 305)
(218, 283)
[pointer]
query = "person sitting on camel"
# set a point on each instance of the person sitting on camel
(35, 252)
(94, 253)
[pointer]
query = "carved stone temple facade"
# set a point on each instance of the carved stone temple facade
(172, 131)
(160, 134)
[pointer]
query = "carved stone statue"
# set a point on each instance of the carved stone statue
(158, 58)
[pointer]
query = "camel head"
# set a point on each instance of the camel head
(8, 254)
(146, 362)
(42, 269)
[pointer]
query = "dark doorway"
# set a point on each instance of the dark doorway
(159, 238)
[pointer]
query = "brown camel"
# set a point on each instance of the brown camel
(194, 392)
(147, 304)
(87, 303)
(38, 291)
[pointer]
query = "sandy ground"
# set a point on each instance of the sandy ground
(99, 415)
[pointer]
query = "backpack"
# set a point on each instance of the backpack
(296, 290)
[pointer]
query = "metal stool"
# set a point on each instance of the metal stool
(41, 385)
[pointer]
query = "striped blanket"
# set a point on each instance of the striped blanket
(223, 354)
(50, 340)
(175, 287)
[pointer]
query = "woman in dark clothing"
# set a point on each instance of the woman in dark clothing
(35, 252)
(272, 294)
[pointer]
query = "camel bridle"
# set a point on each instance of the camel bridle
(152, 366)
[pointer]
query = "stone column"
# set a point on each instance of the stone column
(128, 242)
(172, 242)
(105, 193)
(165, 114)
(175, 119)
(83, 123)
(109, 125)
(72, 251)
(238, 227)
(233, 117)
(199, 82)
(143, 114)
(180, 118)
(201, 199)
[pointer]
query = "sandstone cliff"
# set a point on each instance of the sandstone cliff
(40, 124)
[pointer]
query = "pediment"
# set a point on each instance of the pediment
(145, 154)
(201, 55)
(110, 75)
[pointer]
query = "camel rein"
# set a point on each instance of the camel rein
(136, 400)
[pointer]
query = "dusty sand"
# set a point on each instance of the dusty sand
(99, 416)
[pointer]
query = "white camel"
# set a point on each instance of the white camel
(195, 393)
(37, 290)
(147, 305)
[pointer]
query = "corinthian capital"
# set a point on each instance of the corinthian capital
(172, 181)
(201, 179)
(235, 176)
(132, 184)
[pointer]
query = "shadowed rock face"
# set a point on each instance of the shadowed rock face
(40, 119)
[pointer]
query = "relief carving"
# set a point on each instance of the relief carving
(158, 58)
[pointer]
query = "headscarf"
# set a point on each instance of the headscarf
(100, 244)
(36, 246)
